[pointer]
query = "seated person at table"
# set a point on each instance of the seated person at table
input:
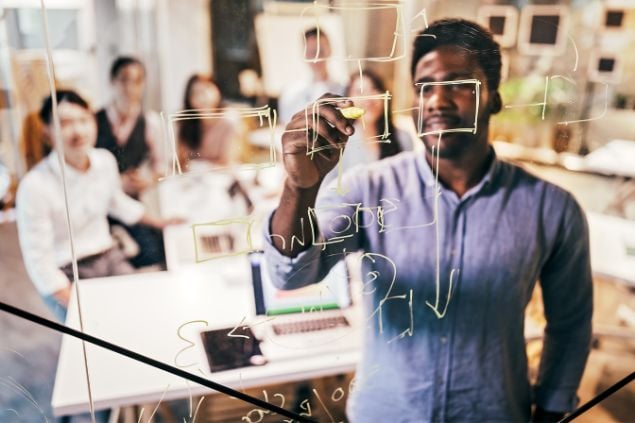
(94, 191)
(367, 143)
(211, 141)
(132, 135)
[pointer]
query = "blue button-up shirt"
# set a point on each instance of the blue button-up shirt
(446, 281)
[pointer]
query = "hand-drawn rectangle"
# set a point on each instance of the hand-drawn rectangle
(398, 44)
(465, 82)
(222, 238)
(250, 121)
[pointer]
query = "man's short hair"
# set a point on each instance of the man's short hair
(313, 32)
(464, 34)
(68, 96)
(121, 62)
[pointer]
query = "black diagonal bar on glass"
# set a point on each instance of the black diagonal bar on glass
(151, 362)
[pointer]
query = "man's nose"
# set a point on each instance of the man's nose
(79, 130)
(76, 134)
(438, 97)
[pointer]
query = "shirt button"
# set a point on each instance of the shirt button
(444, 339)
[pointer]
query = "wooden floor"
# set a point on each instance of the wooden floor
(28, 356)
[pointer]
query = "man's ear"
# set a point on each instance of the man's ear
(496, 103)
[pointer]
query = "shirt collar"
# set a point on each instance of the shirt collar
(117, 120)
(428, 174)
(54, 163)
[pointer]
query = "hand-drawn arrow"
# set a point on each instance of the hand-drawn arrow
(437, 194)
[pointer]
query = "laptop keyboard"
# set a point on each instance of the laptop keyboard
(311, 325)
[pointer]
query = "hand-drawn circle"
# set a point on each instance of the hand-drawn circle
(340, 396)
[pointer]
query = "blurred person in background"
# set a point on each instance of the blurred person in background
(367, 143)
(317, 50)
(212, 140)
(206, 143)
(94, 191)
(132, 135)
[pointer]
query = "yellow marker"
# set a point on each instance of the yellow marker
(352, 112)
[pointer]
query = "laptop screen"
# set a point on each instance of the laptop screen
(332, 292)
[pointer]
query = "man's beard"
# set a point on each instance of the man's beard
(451, 145)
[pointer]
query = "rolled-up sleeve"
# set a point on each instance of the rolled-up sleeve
(287, 272)
(567, 288)
(338, 233)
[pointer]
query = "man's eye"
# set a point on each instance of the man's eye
(425, 89)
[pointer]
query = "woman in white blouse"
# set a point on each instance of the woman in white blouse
(93, 191)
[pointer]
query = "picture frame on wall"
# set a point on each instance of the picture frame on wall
(543, 30)
(605, 67)
(613, 19)
(502, 20)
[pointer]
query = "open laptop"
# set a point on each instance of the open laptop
(311, 320)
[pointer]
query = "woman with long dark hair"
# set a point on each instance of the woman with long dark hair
(205, 138)
(211, 143)
(376, 136)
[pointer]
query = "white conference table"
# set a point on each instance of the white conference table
(143, 312)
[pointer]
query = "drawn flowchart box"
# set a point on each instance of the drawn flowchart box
(472, 85)
(246, 128)
(387, 13)
(222, 238)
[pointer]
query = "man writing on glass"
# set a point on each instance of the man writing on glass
(465, 250)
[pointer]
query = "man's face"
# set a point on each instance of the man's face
(129, 84)
(451, 106)
(312, 44)
(316, 55)
(78, 129)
